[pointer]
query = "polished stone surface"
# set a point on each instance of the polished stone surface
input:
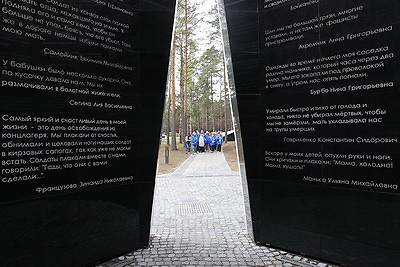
(97, 100)
(350, 50)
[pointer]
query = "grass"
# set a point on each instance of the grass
(177, 157)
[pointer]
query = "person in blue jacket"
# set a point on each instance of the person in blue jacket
(195, 140)
(219, 141)
(212, 142)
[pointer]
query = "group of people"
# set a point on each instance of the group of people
(199, 142)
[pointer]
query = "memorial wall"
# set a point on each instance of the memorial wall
(317, 85)
(82, 94)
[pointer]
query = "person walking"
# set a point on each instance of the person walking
(207, 141)
(213, 141)
(202, 143)
(219, 141)
(194, 141)
(188, 142)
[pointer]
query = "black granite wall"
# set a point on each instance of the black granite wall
(317, 84)
(82, 95)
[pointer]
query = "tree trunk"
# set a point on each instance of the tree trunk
(173, 97)
(225, 103)
(186, 76)
(167, 127)
(201, 116)
(207, 108)
(220, 110)
(212, 104)
(182, 90)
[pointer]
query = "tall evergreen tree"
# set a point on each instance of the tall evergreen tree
(198, 64)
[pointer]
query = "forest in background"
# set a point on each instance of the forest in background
(197, 93)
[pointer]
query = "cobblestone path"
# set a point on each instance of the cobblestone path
(198, 220)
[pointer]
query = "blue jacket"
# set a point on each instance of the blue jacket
(219, 140)
(213, 140)
(208, 139)
(195, 139)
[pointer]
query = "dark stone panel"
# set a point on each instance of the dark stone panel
(281, 163)
(289, 238)
(284, 27)
(357, 254)
(276, 5)
(370, 15)
(153, 65)
(149, 106)
(356, 175)
(276, 109)
(155, 5)
(252, 157)
(87, 89)
(248, 106)
(244, 37)
(257, 231)
(385, 44)
(148, 155)
(280, 82)
(94, 253)
(254, 186)
(146, 201)
(240, 5)
(290, 217)
(59, 227)
(246, 73)
(328, 127)
(346, 210)
(152, 37)
(291, 205)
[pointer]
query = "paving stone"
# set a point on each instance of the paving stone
(216, 238)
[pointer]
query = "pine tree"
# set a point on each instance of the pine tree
(173, 96)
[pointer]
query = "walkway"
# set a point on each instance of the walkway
(198, 220)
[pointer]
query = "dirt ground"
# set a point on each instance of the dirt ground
(177, 157)
(229, 150)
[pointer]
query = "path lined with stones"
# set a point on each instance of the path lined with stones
(198, 220)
